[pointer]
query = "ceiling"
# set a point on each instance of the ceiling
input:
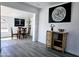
(11, 12)
(42, 4)
(8, 11)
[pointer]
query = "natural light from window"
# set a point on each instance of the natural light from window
(4, 27)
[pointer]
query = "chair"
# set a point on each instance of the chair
(23, 32)
(13, 34)
(19, 32)
(29, 29)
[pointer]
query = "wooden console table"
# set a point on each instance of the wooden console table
(56, 40)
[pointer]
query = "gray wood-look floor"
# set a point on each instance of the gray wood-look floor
(27, 48)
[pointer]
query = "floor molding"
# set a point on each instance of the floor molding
(71, 54)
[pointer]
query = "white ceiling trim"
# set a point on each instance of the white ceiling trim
(43, 4)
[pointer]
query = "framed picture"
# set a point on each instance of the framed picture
(60, 13)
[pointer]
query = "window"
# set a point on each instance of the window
(4, 25)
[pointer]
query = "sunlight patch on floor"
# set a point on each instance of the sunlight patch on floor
(9, 38)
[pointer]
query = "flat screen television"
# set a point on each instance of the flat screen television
(19, 22)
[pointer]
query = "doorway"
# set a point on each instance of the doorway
(7, 18)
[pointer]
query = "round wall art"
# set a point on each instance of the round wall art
(60, 13)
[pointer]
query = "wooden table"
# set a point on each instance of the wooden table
(21, 33)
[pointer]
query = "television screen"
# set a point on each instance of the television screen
(19, 22)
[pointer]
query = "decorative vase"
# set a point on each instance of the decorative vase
(51, 28)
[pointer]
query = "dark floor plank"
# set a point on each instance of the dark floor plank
(31, 50)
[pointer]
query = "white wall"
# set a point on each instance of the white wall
(72, 28)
